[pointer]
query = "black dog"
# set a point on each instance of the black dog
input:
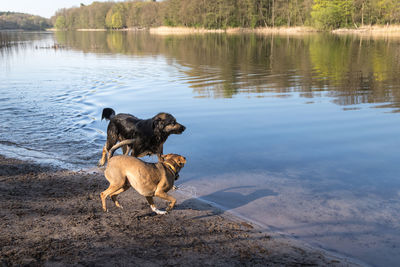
(147, 136)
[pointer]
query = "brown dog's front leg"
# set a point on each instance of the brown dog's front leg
(163, 195)
(153, 207)
(159, 154)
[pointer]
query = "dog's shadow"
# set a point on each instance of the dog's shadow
(225, 200)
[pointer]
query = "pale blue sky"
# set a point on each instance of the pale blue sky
(44, 8)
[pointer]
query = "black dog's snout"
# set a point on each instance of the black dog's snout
(181, 129)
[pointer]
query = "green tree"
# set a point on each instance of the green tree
(333, 14)
(388, 11)
(116, 18)
(60, 23)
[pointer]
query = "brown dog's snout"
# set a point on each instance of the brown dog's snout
(181, 162)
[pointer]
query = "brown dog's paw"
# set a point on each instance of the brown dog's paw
(175, 187)
(160, 212)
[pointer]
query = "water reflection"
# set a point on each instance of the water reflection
(349, 69)
(12, 42)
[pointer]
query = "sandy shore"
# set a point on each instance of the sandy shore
(374, 31)
(391, 30)
(264, 30)
(51, 216)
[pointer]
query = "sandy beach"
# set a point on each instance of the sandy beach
(52, 216)
(371, 31)
(164, 30)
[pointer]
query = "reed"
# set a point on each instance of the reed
(376, 30)
(264, 30)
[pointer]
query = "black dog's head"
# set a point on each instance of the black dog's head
(166, 123)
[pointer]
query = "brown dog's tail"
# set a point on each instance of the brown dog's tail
(108, 114)
(120, 144)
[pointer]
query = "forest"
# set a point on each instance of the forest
(222, 14)
(21, 21)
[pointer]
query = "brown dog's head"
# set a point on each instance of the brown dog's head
(177, 161)
(166, 123)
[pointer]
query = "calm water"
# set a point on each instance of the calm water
(299, 134)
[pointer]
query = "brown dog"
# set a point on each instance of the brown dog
(148, 179)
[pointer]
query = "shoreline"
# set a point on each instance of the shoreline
(381, 30)
(391, 30)
(164, 30)
(62, 212)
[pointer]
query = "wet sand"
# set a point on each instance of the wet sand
(51, 216)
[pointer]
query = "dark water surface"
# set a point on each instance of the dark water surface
(300, 134)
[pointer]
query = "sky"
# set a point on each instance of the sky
(43, 8)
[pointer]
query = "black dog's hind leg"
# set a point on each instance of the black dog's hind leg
(102, 161)
(104, 154)
(127, 149)
(111, 141)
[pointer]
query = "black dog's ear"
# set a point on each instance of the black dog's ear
(158, 123)
(108, 114)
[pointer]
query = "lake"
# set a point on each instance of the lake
(299, 134)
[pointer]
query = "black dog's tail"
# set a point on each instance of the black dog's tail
(108, 114)
(115, 147)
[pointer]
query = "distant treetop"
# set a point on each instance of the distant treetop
(22, 21)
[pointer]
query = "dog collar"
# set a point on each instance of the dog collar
(171, 166)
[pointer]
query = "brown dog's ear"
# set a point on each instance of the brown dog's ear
(167, 157)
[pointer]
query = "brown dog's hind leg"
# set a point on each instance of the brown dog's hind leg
(163, 195)
(114, 195)
(110, 190)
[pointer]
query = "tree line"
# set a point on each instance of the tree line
(21, 21)
(221, 14)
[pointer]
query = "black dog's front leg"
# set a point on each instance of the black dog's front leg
(159, 153)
